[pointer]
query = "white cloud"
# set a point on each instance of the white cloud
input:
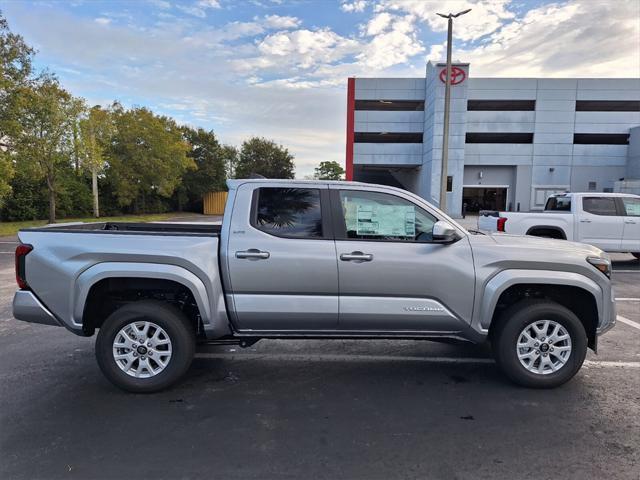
(378, 23)
(301, 49)
(354, 6)
(394, 41)
(277, 22)
(486, 16)
(164, 4)
(103, 20)
(581, 38)
(199, 9)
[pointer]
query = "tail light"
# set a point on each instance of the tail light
(21, 253)
(500, 223)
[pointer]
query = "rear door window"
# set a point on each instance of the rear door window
(600, 205)
(558, 204)
(288, 212)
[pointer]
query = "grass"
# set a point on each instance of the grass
(11, 228)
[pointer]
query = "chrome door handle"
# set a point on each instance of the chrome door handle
(585, 221)
(630, 222)
(356, 256)
(252, 254)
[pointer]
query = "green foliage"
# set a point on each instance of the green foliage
(6, 174)
(47, 116)
(28, 200)
(264, 157)
(329, 171)
(211, 161)
(15, 69)
(147, 156)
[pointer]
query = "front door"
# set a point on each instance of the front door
(282, 259)
(600, 224)
(392, 277)
(631, 232)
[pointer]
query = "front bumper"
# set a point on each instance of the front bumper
(28, 308)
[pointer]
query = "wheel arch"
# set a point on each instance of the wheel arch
(551, 228)
(578, 293)
(147, 276)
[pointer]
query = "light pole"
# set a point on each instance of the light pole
(447, 102)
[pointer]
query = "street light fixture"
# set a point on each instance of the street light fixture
(447, 105)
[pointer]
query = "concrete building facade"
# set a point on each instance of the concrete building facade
(512, 141)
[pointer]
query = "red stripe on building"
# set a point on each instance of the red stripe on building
(351, 96)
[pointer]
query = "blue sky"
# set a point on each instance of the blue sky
(278, 68)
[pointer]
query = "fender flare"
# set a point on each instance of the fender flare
(91, 276)
(508, 278)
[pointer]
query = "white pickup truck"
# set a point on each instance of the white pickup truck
(609, 221)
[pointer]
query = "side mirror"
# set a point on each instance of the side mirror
(444, 232)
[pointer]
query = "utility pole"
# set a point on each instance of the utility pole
(447, 107)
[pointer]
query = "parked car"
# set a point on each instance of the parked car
(313, 259)
(610, 221)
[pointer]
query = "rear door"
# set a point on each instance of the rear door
(282, 259)
(631, 232)
(600, 223)
(392, 277)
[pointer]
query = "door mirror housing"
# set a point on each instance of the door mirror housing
(444, 232)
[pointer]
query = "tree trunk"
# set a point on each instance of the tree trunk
(52, 205)
(94, 189)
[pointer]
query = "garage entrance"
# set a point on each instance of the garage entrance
(484, 198)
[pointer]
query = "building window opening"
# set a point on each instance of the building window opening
(449, 183)
(501, 105)
(496, 137)
(387, 137)
(608, 106)
(592, 186)
(390, 105)
(601, 138)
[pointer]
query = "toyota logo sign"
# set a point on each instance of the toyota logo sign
(457, 75)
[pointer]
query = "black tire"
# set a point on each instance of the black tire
(177, 327)
(509, 327)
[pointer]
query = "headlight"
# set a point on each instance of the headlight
(602, 264)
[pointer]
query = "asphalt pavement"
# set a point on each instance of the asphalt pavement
(318, 409)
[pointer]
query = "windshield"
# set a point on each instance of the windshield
(559, 204)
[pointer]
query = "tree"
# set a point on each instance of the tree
(329, 171)
(43, 144)
(264, 157)
(211, 164)
(147, 156)
(96, 131)
(15, 72)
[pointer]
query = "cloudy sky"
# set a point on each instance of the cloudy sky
(278, 68)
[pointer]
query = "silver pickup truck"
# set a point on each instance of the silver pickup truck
(313, 259)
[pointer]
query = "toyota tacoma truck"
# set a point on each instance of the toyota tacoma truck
(309, 260)
(610, 221)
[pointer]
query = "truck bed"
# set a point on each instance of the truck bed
(136, 228)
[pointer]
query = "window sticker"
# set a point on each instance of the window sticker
(372, 219)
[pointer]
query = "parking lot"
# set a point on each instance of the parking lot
(318, 409)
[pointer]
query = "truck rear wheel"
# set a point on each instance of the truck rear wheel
(145, 346)
(539, 343)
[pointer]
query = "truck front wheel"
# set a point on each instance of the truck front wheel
(539, 343)
(145, 346)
